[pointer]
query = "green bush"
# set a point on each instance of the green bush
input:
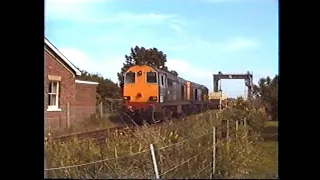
(242, 110)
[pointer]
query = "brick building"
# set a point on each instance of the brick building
(67, 100)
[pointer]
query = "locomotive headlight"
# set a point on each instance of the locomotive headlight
(126, 97)
(153, 98)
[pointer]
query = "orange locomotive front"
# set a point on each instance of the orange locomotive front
(141, 89)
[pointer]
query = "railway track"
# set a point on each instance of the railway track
(102, 134)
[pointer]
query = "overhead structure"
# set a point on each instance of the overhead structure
(248, 79)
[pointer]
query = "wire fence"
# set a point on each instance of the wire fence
(199, 159)
(70, 114)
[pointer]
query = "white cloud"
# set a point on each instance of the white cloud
(190, 72)
(176, 28)
(88, 11)
(107, 66)
(142, 17)
(68, 9)
(230, 45)
(183, 67)
(239, 43)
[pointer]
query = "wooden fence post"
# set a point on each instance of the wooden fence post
(154, 161)
(111, 106)
(101, 109)
(213, 151)
(237, 127)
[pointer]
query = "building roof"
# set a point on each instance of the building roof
(86, 82)
(61, 56)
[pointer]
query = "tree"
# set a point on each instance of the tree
(141, 55)
(106, 88)
(266, 92)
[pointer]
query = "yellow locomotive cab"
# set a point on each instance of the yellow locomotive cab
(140, 84)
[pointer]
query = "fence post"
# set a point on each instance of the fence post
(68, 115)
(111, 106)
(237, 127)
(101, 109)
(154, 161)
(213, 151)
(227, 129)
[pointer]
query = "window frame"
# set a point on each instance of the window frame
(156, 75)
(56, 106)
(125, 78)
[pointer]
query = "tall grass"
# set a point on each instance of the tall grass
(189, 155)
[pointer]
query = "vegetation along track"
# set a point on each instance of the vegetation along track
(101, 134)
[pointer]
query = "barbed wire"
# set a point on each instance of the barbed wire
(186, 140)
(95, 162)
(189, 139)
(185, 161)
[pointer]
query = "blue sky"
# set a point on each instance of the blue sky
(200, 37)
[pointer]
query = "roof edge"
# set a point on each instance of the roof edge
(86, 82)
(54, 49)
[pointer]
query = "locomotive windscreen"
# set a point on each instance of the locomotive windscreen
(130, 77)
(151, 77)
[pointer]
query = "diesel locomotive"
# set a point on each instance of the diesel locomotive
(154, 95)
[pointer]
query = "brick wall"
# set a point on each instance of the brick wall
(67, 90)
(85, 101)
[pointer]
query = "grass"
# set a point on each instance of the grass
(244, 156)
(268, 166)
(270, 145)
(270, 132)
(93, 123)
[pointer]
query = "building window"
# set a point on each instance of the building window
(53, 95)
(151, 77)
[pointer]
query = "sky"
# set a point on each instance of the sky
(199, 37)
